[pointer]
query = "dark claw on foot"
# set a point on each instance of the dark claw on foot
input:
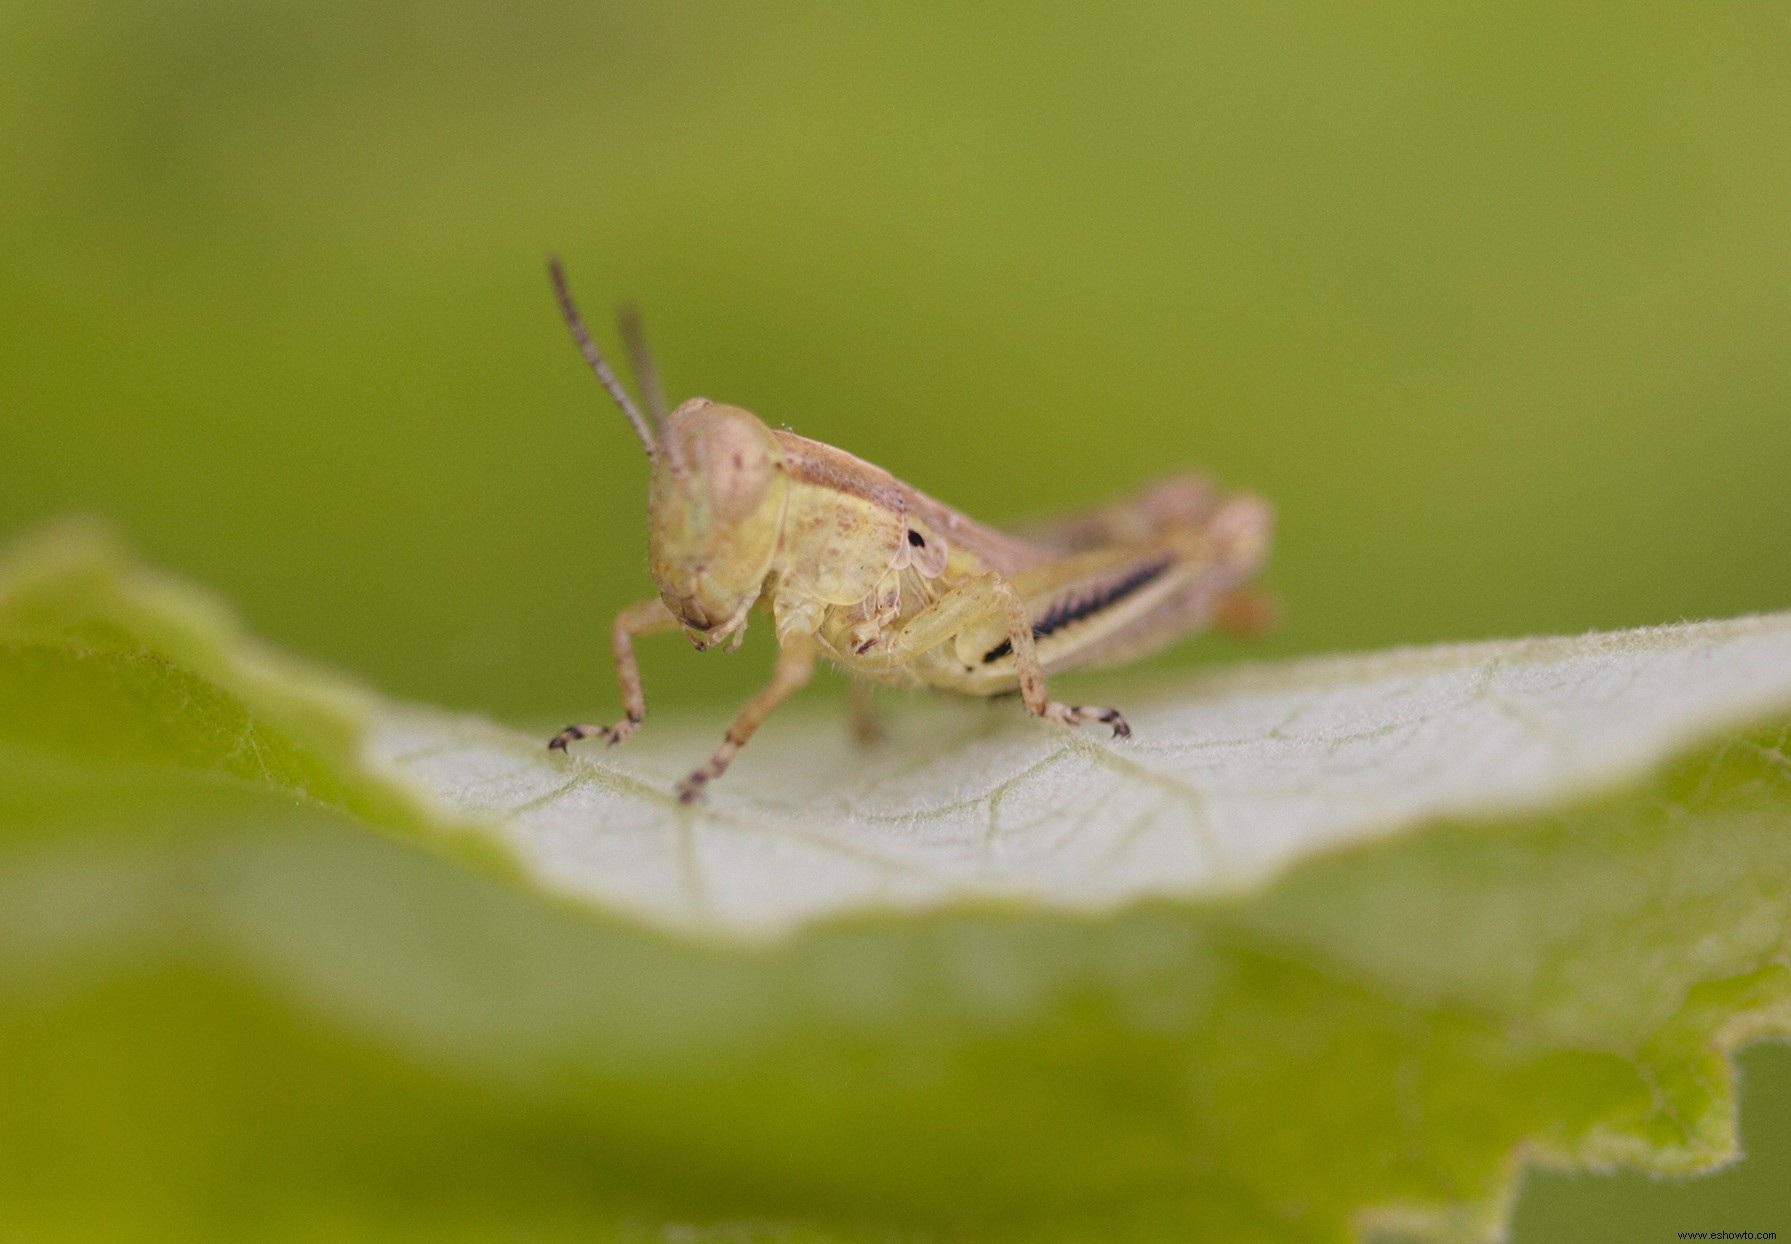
(609, 734)
(1112, 717)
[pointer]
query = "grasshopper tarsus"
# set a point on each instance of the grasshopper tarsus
(1076, 714)
(691, 788)
(1122, 729)
(611, 735)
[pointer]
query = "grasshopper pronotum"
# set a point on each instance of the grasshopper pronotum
(854, 565)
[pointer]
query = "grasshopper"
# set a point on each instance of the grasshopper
(852, 564)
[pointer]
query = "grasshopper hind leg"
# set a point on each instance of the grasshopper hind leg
(976, 601)
(1031, 672)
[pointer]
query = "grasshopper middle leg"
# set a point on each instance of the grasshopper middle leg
(648, 617)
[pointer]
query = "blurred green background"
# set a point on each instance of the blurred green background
(1492, 303)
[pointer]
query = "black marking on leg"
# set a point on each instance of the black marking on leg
(1077, 606)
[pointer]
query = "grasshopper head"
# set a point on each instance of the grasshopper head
(714, 516)
(716, 510)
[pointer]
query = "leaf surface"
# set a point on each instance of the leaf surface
(1327, 947)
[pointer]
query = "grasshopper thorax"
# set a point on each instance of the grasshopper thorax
(714, 515)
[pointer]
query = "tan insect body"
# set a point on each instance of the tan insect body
(895, 587)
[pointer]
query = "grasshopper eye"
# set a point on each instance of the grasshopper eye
(916, 539)
(739, 469)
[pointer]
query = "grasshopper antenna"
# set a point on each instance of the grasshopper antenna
(640, 362)
(569, 310)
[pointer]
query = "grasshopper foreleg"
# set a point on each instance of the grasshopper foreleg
(795, 663)
(649, 617)
(973, 603)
